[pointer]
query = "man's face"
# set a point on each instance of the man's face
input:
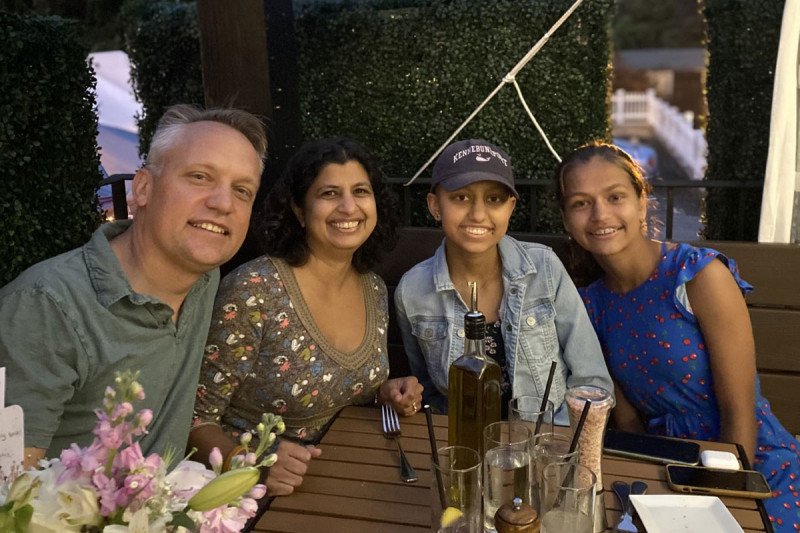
(195, 209)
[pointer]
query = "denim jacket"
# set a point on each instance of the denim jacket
(543, 320)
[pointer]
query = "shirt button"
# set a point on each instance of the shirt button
(531, 321)
(428, 332)
(508, 327)
(461, 333)
(513, 291)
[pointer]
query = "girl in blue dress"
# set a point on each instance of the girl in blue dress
(673, 325)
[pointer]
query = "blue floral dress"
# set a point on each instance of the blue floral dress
(656, 353)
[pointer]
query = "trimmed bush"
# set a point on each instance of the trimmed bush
(400, 76)
(164, 47)
(743, 40)
(48, 151)
(401, 79)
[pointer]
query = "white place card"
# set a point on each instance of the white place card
(2, 387)
(12, 439)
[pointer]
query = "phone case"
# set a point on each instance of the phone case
(717, 490)
(655, 457)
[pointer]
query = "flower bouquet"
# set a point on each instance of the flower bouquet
(110, 487)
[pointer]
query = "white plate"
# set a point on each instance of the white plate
(668, 513)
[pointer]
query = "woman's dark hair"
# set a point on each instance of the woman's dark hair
(581, 265)
(281, 233)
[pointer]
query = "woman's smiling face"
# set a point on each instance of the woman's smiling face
(339, 211)
(601, 209)
(474, 218)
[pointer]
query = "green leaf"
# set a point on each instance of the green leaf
(182, 519)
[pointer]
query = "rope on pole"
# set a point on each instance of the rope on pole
(508, 78)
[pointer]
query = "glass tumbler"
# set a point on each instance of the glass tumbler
(459, 469)
(529, 410)
(568, 495)
(550, 448)
(506, 467)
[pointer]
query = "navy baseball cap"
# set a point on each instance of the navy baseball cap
(465, 162)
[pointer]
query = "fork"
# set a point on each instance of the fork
(391, 430)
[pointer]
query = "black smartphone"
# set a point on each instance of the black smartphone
(702, 480)
(664, 450)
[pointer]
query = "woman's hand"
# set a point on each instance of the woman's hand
(404, 394)
(288, 471)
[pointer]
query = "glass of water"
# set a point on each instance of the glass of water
(506, 467)
(529, 410)
(459, 470)
(568, 494)
(549, 448)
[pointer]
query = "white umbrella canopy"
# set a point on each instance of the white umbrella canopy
(117, 130)
(780, 205)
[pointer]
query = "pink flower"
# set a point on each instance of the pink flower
(111, 435)
(138, 487)
(106, 493)
(130, 458)
(122, 411)
(258, 491)
(71, 459)
(215, 458)
(143, 420)
(225, 520)
(80, 462)
(248, 506)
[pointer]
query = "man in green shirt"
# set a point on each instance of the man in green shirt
(139, 294)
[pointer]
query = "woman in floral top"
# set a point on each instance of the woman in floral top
(301, 331)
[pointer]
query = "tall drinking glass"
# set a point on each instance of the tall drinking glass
(568, 494)
(459, 469)
(506, 467)
(550, 448)
(529, 410)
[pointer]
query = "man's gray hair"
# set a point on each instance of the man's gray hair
(176, 117)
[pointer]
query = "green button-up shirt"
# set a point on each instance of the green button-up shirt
(69, 323)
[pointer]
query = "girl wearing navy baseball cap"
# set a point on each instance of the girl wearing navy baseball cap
(533, 311)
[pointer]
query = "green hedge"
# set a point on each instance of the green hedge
(163, 44)
(743, 40)
(401, 75)
(401, 79)
(48, 152)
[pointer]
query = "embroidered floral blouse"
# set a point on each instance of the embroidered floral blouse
(265, 354)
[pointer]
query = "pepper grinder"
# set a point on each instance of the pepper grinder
(516, 517)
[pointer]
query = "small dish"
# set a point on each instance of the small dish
(668, 513)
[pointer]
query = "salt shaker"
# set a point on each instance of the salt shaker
(516, 517)
(590, 441)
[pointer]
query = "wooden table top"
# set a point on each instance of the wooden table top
(355, 485)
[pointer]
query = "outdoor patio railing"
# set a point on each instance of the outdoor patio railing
(537, 187)
(533, 187)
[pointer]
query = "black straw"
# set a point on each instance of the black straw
(572, 446)
(579, 427)
(435, 455)
(543, 407)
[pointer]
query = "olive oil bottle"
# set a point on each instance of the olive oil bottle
(474, 384)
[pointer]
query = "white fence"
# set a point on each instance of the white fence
(674, 129)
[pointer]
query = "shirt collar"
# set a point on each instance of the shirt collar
(516, 263)
(105, 271)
